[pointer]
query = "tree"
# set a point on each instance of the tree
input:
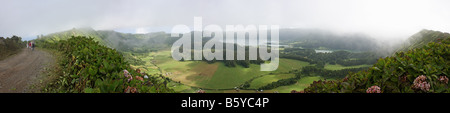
(320, 64)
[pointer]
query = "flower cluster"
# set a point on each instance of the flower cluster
(373, 89)
(420, 84)
(443, 79)
(127, 75)
(139, 78)
(130, 90)
(201, 91)
(130, 77)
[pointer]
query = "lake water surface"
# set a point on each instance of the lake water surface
(323, 51)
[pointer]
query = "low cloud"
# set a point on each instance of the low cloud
(382, 19)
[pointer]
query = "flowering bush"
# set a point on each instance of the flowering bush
(420, 84)
(443, 79)
(93, 68)
(373, 89)
(399, 73)
(130, 90)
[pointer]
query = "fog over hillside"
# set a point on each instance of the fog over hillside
(387, 20)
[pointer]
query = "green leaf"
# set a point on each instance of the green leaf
(92, 71)
(74, 76)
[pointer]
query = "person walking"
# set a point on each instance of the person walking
(29, 45)
(32, 46)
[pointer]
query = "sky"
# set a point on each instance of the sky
(382, 19)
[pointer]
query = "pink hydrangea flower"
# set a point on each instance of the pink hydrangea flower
(130, 78)
(443, 79)
(126, 73)
(420, 84)
(373, 89)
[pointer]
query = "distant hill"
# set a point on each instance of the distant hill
(422, 38)
(421, 67)
(314, 39)
(120, 41)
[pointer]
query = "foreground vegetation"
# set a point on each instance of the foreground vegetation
(420, 70)
(9, 46)
(89, 67)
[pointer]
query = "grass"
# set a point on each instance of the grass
(186, 72)
(148, 67)
(230, 77)
(218, 78)
(178, 87)
(210, 76)
(289, 64)
(161, 56)
(300, 85)
(267, 79)
(49, 74)
(339, 67)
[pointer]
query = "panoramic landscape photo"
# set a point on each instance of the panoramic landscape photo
(224, 46)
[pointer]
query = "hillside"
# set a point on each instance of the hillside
(120, 41)
(318, 39)
(305, 38)
(88, 67)
(423, 68)
(422, 38)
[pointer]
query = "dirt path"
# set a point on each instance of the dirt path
(19, 72)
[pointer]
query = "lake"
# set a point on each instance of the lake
(323, 51)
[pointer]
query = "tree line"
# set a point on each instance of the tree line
(282, 82)
(9, 46)
(328, 74)
(344, 58)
